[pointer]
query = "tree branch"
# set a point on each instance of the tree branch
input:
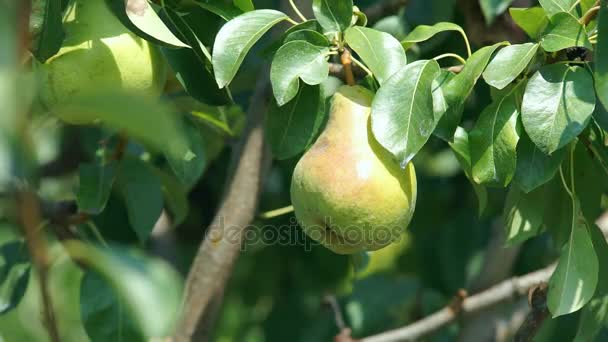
(215, 259)
(506, 290)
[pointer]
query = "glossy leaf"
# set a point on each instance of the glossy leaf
(294, 61)
(147, 289)
(573, 283)
(459, 88)
(534, 167)
(48, 40)
(14, 274)
(553, 7)
(493, 8)
(95, 185)
(236, 38)
(379, 51)
(334, 16)
(292, 128)
(532, 20)
(462, 150)
(564, 31)
(310, 36)
(557, 105)
(425, 32)
(508, 64)
(523, 214)
(494, 141)
(141, 190)
(601, 56)
(140, 17)
(403, 116)
(223, 9)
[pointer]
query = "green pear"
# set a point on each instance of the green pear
(347, 191)
(98, 52)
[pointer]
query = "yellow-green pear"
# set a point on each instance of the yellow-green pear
(347, 191)
(98, 52)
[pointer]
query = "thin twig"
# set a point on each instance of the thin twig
(335, 308)
(506, 290)
(29, 213)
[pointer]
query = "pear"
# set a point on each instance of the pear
(98, 52)
(347, 191)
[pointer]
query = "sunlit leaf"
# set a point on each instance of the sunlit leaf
(564, 31)
(508, 64)
(334, 16)
(532, 20)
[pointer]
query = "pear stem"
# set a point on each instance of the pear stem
(346, 60)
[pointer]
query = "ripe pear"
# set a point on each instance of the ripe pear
(98, 52)
(347, 191)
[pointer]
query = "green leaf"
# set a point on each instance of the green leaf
(95, 186)
(310, 36)
(457, 89)
(244, 5)
(380, 51)
(534, 167)
(223, 9)
(564, 31)
(532, 20)
(147, 289)
(291, 128)
(175, 197)
(557, 105)
(139, 17)
(294, 61)
(334, 16)
(601, 56)
(425, 32)
(553, 7)
(141, 117)
(141, 190)
(594, 314)
(50, 38)
(573, 283)
(189, 167)
(403, 116)
(14, 274)
(462, 150)
(236, 38)
(494, 141)
(523, 214)
(493, 8)
(508, 64)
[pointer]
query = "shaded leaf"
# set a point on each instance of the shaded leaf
(149, 289)
(292, 128)
(95, 185)
(601, 54)
(564, 31)
(403, 116)
(236, 38)
(48, 40)
(494, 141)
(380, 51)
(333, 16)
(294, 61)
(244, 5)
(14, 274)
(189, 167)
(175, 197)
(310, 36)
(508, 64)
(574, 281)
(534, 167)
(523, 214)
(141, 190)
(462, 150)
(557, 105)
(532, 20)
(493, 8)
(457, 89)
